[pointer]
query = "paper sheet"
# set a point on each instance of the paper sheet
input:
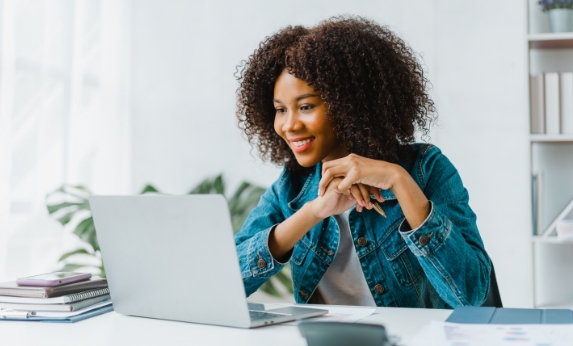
(455, 334)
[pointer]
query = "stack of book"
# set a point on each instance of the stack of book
(66, 303)
(551, 97)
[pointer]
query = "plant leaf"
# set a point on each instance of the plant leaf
(218, 185)
(285, 280)
(91, 237)
(70, 267)
(75, 252)
(149, 188)
(82, 227)
(203, 187)
(102, 270)
(246, 204)
(235, 198)
(55, 207)
(66, 218)
(269, 288)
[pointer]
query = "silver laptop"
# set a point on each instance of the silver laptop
(174, 258)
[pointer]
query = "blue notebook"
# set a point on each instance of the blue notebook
(70, 319)
(490, 315)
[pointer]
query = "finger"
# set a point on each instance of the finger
(332, 163)
(374, 191)
(365, 195)
(358, 208)
(350, 178)
(357, 194)
(323, 184)
(327, 177)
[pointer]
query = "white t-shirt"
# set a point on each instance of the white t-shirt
(344, 282)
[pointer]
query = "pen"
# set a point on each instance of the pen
(378, 208)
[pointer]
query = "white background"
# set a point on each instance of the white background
(182, 126)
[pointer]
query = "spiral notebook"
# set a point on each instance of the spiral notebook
(56, 307)
(67, 299)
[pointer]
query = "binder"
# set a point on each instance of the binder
(552, 111)
(537, 106)
(490, 315)
(23, 316)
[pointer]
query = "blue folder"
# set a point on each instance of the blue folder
(70, 319)
(490, 315)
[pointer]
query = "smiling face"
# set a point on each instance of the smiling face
(301, 121)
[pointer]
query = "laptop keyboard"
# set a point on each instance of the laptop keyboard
(259, 315)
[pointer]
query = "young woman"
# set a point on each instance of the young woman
(364, 215)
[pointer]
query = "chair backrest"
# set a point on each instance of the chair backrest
(493, 297)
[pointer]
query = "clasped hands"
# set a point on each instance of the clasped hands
(352, 180)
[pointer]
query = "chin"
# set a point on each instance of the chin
(306, 162)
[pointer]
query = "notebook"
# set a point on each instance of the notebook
(55, 307)
(491, 315)
(12, 289)
(70, 298)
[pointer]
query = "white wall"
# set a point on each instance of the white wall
(184, 127)
(185, 54)
(481, 81)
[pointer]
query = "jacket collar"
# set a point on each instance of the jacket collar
(309, 190)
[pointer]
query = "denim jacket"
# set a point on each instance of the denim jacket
(441, 264)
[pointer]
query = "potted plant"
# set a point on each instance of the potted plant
(560, 14)
(70, 206)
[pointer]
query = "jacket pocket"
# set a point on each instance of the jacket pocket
(299, 253)
(398, 256)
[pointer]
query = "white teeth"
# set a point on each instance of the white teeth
(301, 143)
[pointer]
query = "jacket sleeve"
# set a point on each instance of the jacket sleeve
(255, 260)
(448, 244)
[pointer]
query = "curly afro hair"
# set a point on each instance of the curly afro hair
(371, 81)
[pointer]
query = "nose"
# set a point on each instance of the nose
(292, 123)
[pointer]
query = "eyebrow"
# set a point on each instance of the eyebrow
(303, 96)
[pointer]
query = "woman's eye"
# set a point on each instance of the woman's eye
(306, 108)
(280, 110)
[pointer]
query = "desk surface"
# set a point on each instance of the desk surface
(116, 329)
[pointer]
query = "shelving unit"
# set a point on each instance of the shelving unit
(550, 40)
(551, 154)
(551, 138)
(551, 240)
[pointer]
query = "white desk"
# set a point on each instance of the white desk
(115, 329)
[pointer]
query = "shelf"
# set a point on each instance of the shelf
(551, 240)
(551, 138)
(550, 40)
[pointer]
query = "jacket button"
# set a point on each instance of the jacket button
(261, 263)
(362, 241)
(379, 289)
(424, 240)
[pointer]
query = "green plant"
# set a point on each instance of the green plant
(70, 206)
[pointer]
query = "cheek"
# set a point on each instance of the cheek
(322, 125)
(278, 127)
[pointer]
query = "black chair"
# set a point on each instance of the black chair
(493, 297)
